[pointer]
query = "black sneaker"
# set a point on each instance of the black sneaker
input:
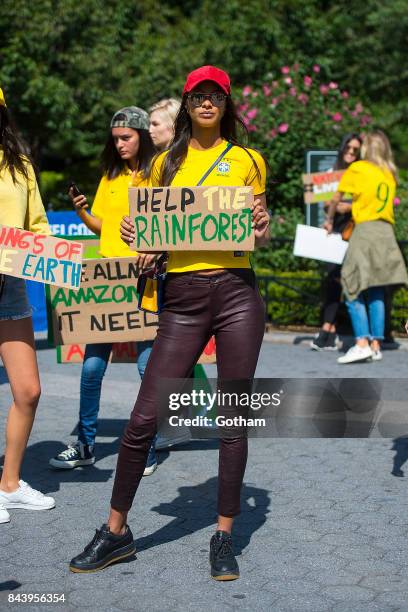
(73, 456)
(104, 549)
(319, 343)
(331, 342)
(224, 566)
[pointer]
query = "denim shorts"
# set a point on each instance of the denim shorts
(13, 300)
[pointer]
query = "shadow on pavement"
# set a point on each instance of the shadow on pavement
(192, 512)
(400, 447)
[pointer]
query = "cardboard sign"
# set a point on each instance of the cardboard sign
(320, 186)
(104, 309)
(192, 218)
(316, 243)
(54, 261)
(123, 352)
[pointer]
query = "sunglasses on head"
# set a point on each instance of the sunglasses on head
(217, 98)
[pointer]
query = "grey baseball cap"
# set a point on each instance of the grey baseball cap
(131, 117)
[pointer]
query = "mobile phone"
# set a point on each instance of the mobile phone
(75, 191)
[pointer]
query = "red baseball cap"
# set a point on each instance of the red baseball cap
(208, 73)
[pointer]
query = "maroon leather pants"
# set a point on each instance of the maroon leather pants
(229, 306)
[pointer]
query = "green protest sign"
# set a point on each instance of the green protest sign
(192, 218)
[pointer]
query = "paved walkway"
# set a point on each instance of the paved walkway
(323, 525)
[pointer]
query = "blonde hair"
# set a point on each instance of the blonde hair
(376, 149)
(168, 108)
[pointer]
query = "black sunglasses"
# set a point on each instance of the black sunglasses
(216, 98)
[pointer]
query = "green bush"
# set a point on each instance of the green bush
(292, 298)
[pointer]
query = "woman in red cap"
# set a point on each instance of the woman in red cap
(207, 293)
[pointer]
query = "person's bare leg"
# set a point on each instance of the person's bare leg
(225, 523)
(117, 521)
(17, 350)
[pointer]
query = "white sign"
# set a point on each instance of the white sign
(316, 243)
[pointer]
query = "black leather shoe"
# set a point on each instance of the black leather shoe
(104, 549)
(224, 566)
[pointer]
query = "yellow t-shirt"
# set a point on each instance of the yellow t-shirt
(20, 203)
(373, 190)
(111, 203)
(235, 169)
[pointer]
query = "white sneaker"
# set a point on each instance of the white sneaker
(356, 353)
(4, 515)
(27, 498)
(377, 355)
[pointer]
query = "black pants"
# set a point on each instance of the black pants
(228, 306)
(333, 293)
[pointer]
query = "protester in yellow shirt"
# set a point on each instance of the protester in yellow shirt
(373, 260)
(207, 293)
(128, 151)
(20, 206)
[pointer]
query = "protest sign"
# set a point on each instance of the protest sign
(316, 243)
(46, 259)
(104, 309)
(122, 352)
(192, 218)
(320, 186)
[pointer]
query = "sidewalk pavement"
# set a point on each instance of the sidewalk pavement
(322, 524)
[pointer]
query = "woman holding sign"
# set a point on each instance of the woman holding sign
(207, 293)
(373, 260)
(128, 151)
(348, 153)
(20, 206)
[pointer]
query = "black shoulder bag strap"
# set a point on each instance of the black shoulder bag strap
(217, 161)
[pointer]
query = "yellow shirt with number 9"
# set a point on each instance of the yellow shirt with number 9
(373, 191)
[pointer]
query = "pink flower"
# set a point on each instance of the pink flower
(359, 108)
(285, 70)
(292, 91)
(337, 116)
(283, 128)
(354, 113)
(324, 89)
(365, 120)
(344, 94)
(288, 80)
(308, 81)
(333, 85)
(247, 90)
(251, 114)
(397, 201)
(267, 90)
(272, 133)
(274, 101)
(254, 94)
(251, 128)
(242, 108)
(303, 98)
(316, 68)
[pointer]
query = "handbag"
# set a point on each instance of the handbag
(150, 284)
(150, 287)
(348, 230)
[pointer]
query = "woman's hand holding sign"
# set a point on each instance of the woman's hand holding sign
(260, 221)
(127, 230)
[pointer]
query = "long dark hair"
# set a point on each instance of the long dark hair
(15, 151)
(340, 163)
(113, 164)
(231, 126)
